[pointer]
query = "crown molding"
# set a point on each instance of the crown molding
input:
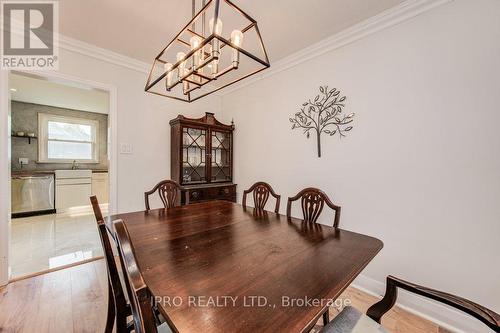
(96, 52)
(111, 57)
(90, 50)
(386, 19)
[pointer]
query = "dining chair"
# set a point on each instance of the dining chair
(169, 193)
(312, 201)
(137, 290)
(350, 318)
(117, 303)
(261, 191)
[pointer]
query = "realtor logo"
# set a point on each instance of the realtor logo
(29, 35)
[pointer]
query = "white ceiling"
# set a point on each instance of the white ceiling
(140, 29)
(33, 89)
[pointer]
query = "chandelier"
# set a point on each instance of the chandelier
(198, 62)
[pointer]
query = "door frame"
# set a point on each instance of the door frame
(4, 177)
(5, 154)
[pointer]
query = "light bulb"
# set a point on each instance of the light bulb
(182, 71)
(168, 67)
(218, 26)
(195, 42)
(180, 56)
(215, 67)
(182, 65)
(236, 39)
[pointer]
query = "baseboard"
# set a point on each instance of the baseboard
(37, 213)
(446, 317)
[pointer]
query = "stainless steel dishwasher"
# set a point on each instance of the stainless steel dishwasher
(32, 195)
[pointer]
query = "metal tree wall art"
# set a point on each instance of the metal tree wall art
(323, 114)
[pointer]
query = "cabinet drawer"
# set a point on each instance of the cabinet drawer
(100, 176)
(209, 193)
(197, 195)
(222, 191)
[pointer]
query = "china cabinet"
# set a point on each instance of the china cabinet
(202, 158)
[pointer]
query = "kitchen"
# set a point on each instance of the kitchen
(59, 158)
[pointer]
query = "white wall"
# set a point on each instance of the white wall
(421, 168)
(59, 94)
(143, 121)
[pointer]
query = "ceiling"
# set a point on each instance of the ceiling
(34, 89)
(140, 29)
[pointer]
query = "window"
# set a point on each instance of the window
(65, 139)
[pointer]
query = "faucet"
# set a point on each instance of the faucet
(74, 166)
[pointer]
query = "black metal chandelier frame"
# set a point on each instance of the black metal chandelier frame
(194, 75)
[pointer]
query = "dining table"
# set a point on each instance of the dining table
(217, 266)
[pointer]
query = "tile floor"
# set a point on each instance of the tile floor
(44, 242)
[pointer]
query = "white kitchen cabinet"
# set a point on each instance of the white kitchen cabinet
(100, 186)
(73, 188)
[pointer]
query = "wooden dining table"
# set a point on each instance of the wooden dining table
(220, 267)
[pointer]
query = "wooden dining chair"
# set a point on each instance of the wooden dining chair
(137, 290)
(350, 318)
(261, 191)
(312, 201)
(169, 193)
(117, 304)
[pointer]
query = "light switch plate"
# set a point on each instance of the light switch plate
(23, 160)
(126, 148)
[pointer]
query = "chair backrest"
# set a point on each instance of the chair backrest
(113, 278)
(169, 193)
(137, 290)
(261, 191)
(312, 201)
(485, 315)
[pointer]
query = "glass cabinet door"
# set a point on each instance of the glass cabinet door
(193, 155)
(220, 165)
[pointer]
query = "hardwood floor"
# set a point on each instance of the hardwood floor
(75, 300)
(395, 321)
(68, 300)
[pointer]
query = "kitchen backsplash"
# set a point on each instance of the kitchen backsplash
(25, 119)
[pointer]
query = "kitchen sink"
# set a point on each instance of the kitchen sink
(60, 174)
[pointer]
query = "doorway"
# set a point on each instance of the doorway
(62, 149)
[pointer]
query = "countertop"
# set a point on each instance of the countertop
(44, 172)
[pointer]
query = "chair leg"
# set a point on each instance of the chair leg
(122, 326)
(110, 320)
(158, 317)
(130, 326)
(326, 317)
